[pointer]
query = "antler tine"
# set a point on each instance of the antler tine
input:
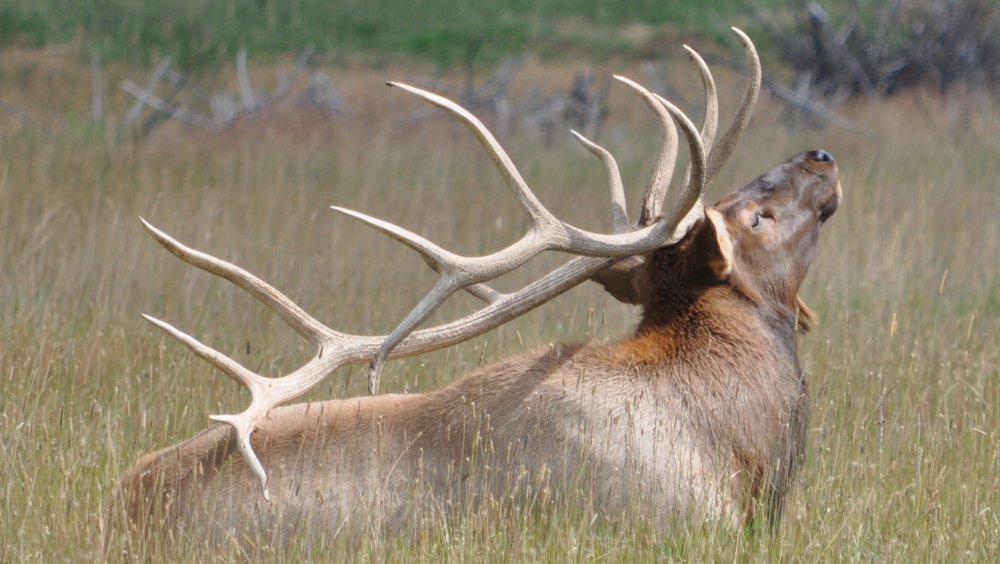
(710, 123)
(243, 423)
(663, 170)
(619, 215)
(617, 277)
(510, 174)
(441, 291)
(225, 364)
(266, 393)
(691, 195)
(660, 180)
(434, 255)
(296, 318)
(725, 146)
(693, 191)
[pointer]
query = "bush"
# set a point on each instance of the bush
(879, 48)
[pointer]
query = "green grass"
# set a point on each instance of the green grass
(207, 32)
(903, 462)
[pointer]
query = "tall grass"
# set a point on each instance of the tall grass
(903, 460)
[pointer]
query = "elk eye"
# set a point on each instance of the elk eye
(758, 219)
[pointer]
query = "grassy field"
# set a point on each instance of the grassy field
(206, 33)
(903, 462)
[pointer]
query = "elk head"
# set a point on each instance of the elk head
(774, 222)
(759, 240)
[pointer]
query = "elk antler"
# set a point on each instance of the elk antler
(619, 278)
(334, 349)
(546, 231)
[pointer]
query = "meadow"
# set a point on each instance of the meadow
(207, 34)
(903, 461)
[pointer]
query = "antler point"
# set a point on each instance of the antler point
(373, 376)
(149, 226)
(227, 419)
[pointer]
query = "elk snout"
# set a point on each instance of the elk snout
(817, 162)
(820, 156)
(831, 201)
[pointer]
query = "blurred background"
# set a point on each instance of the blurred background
(125, 66)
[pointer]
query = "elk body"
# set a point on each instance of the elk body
(701, 413)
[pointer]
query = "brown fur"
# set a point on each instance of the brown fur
(700, 414)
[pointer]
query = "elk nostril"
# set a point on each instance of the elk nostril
(820, 156)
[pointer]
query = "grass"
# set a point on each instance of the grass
(903, 462)
(209, 33)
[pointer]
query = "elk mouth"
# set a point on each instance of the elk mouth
(832, 203)
(822, 164)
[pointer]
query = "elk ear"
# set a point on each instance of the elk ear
(715, 244)
(806, 317)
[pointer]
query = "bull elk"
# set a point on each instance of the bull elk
(699, 414)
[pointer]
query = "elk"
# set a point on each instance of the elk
(699, 414)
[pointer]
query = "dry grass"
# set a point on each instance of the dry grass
(904, 453)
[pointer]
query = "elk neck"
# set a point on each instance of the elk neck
(691, 311)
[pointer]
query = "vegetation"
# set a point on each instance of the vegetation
(206, 32)
(903, 461)
(876, 48)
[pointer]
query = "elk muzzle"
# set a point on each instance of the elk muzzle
(829, 193)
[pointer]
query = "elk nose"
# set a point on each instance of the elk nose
(820, 156)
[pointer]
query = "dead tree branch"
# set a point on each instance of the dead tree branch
(135, 112)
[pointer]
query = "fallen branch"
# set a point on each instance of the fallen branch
(148, 99)
(286, 83)
(97, 87)
(243, 78)
(135, 112)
